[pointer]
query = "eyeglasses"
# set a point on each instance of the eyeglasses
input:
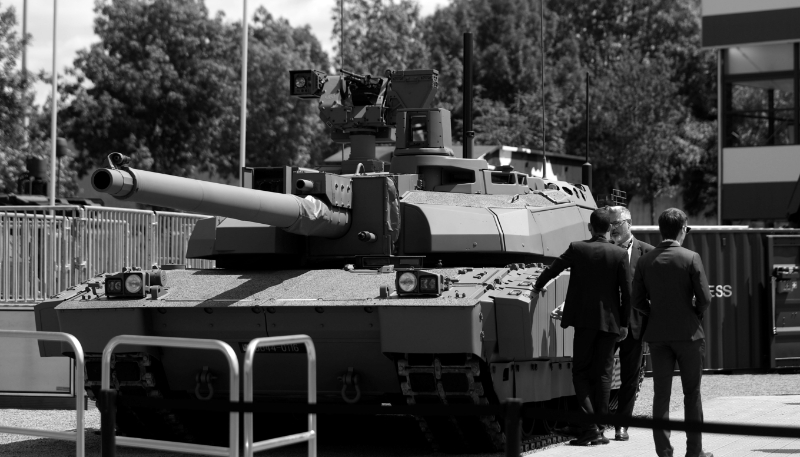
(688, 229)
(618, 223)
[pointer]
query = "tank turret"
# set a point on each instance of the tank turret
(425, 207)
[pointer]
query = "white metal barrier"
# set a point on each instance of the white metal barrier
(78, 435)
(36, 247)
(172, 238)
(190, 343)
(44, 249)
(311, 435)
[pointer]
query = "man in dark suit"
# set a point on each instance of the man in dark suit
(631, 348)
(671, 288)
(598, 306)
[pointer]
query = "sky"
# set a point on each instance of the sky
(76, 18)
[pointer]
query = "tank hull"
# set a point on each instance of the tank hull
(352, 327)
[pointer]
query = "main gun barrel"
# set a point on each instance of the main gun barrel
(308, 216)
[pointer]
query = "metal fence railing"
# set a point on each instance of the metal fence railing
(78, 435)
(44, 250)
(309, 436)
(172, 232)
(108, 397)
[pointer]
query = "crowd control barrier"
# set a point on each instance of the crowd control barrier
(108, 398)
(311, 435)
(46, 249)
(78, 435)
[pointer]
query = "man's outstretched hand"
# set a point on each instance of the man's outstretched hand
(557, 313)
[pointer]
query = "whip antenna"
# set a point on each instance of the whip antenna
(469, 134)
(544, 133)
(586, 168)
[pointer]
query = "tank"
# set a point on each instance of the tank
(413, 277)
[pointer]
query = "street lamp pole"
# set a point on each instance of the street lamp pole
(25, 73)
(243, 112)
(53, 114)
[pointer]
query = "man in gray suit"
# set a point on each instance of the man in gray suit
(631, 348)
(670, 287)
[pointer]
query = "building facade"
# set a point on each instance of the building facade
(758, 50)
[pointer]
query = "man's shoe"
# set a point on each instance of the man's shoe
(601, 440)
(621, 434)
(569, 430)
(705, 454)
(588, 437)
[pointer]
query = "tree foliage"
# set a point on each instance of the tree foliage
(163, 85)
(281, 130)
(18, 143)
(12, 102)
(154, 86)
(380, 35)
(652, 92)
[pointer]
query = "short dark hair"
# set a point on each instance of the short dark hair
(670, 223)
(601, 219)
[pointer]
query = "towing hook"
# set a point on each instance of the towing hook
(350, 379)
(204, 377)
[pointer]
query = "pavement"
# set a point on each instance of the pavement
(383, 439)
(781, 410)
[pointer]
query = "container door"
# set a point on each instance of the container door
(784, 264)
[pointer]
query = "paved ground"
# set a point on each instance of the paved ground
(725, 398)
(767, 410)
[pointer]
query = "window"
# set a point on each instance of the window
(417, 130)
(760, 96)
(761, 113)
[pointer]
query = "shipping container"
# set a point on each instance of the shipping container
(740, 325)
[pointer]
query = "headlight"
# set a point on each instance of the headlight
(407, 282)
(133, 283)
(300, 81)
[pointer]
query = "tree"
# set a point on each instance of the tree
(163, 85)
(13, 102)
(281, 130)
(380, 35)
(665, 33)
(155, 87)
(642, 136)
(507, 70)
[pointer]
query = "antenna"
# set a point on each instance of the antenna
(341, 33)
(586, 168)
(341, 54)
(544, 133)
(467, 102)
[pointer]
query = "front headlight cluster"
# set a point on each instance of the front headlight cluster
(419, 282)
(135, 283)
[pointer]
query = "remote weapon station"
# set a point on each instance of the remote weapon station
(413, 278)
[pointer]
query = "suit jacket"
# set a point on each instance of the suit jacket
(598, 296)
(670, 276)
(638, 321)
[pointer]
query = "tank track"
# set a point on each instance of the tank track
(446, 379)
(137, 375)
